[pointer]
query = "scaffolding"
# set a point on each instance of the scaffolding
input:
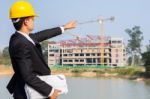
(86, 51)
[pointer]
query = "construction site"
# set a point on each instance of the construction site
(87, 51)
(97, 50)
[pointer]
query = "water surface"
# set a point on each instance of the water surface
(95, 88)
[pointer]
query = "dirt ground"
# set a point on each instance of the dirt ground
(6, 70)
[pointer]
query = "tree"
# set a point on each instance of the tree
(146, 59)
(137, 60)
(146, 56)
(134, 43)
(5, 57)
(6, 52)
(44, 46)
(0, 53)
(148, 47)
(0, 57)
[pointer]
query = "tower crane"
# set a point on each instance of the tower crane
(101, 21)
(78, 37)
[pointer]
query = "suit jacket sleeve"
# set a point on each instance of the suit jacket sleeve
(24, 62)
(46, 34)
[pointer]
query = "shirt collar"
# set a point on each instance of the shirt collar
(26, 36)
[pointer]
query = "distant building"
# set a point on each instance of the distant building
(86, 51)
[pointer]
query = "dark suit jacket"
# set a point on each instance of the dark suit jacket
(27, 61)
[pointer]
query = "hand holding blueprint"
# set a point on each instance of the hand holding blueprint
(56, 81)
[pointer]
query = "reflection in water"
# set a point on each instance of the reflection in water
(104, 88)
(93, 88)
(4, 94)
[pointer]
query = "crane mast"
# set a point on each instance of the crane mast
(101, 21)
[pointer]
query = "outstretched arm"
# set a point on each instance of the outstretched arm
(49, 33)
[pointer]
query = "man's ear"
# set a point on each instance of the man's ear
(26, 21)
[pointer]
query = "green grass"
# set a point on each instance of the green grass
(87, 66)
(5, 61)
(131, 71)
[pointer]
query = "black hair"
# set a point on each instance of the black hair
(18, 22)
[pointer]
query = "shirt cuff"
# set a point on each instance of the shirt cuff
(51, 93)
(62, 29)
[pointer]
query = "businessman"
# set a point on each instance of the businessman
(26, 53)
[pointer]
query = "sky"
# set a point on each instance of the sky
(52, 13)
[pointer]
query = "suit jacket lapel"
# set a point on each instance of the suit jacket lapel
(38, 49)
(37, 46)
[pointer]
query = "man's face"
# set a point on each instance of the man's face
(30, 23)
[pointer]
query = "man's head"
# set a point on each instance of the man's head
(24, 23)
(22, 15)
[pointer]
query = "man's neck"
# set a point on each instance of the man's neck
(24, 31)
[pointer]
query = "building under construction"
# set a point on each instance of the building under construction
(87, 51)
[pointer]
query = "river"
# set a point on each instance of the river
(95, 88)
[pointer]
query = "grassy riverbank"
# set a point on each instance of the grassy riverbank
(93, 71)
(89, 71)
(6, 70)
